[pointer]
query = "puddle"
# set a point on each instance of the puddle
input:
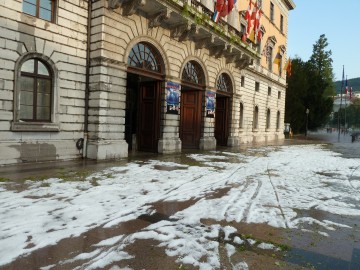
(169, 168)
(317, 261)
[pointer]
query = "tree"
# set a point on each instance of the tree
(310, 87)
(321, 63)
(294, 103)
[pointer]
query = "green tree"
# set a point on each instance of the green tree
(294, 103)
(310, 87)
(321, 63)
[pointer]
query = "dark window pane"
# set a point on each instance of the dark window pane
(43, 99)
(44, 86)
(26, 84)
(45, 14)
(28, 66)
(42, 70)
(45, 4)
(29, 8)
(26, 98)
(26, 112)
(43, 113)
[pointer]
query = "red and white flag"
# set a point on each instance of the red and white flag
(257, 26)
(248, 19)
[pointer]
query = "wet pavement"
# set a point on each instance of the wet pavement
(295, 249)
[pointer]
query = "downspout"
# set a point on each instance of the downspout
(87, 82)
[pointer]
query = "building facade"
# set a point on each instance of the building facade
(97, 79)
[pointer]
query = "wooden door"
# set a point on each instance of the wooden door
(149, 117)
(221, 121)
(190, 119)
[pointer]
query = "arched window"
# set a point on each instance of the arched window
(278, 120)
(193, 73)
(145, 56)
(256, 117)
(268, 118)
(43, 9)
(224, 83)
(241, 120)
(35, 89)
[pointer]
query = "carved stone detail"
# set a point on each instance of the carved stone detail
(201, 43)
(183, 31)
(218, 50)
(244, 62)
(129, 7)
(156, 19)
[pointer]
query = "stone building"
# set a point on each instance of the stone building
(100, 78)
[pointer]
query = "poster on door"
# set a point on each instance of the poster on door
(172, 97)
(210, 103)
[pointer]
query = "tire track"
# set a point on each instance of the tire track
(277, 196)
(351, 175)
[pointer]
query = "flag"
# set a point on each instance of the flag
(247, 17)
(223, 8)
(278, 58)
(216, 16)
(346, 86)
(257, 26)
(288, 67)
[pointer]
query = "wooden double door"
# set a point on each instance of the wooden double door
(142, 117)
(222, 120)
(190, 118)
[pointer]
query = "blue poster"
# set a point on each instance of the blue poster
(210, 103)
(172, 97)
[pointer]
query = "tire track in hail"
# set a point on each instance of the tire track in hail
(277, 196)
(245, 187)
(250, 201)
(350, 178)
(221, 179)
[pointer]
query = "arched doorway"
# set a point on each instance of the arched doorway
(143, 96)
(192, 84)
(223, 95)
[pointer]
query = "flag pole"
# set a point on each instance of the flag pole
(339, 111)
(346, 90)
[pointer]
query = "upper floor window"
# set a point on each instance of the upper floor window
(271, 12)
(269, 91)
(270, 62)
(242, 81)
(43, 9)
(257, 86)
(281, 23)
(35, 92)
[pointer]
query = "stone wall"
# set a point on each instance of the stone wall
(63, 46)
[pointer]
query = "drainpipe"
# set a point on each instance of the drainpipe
(87, 82)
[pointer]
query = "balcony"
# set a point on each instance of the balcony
(191, 20)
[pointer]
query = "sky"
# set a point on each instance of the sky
(338, 20)
(272, 185)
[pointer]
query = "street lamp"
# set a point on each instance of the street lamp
(307, 120)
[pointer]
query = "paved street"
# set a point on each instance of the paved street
(289, 206)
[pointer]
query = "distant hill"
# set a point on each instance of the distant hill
(355, 83)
